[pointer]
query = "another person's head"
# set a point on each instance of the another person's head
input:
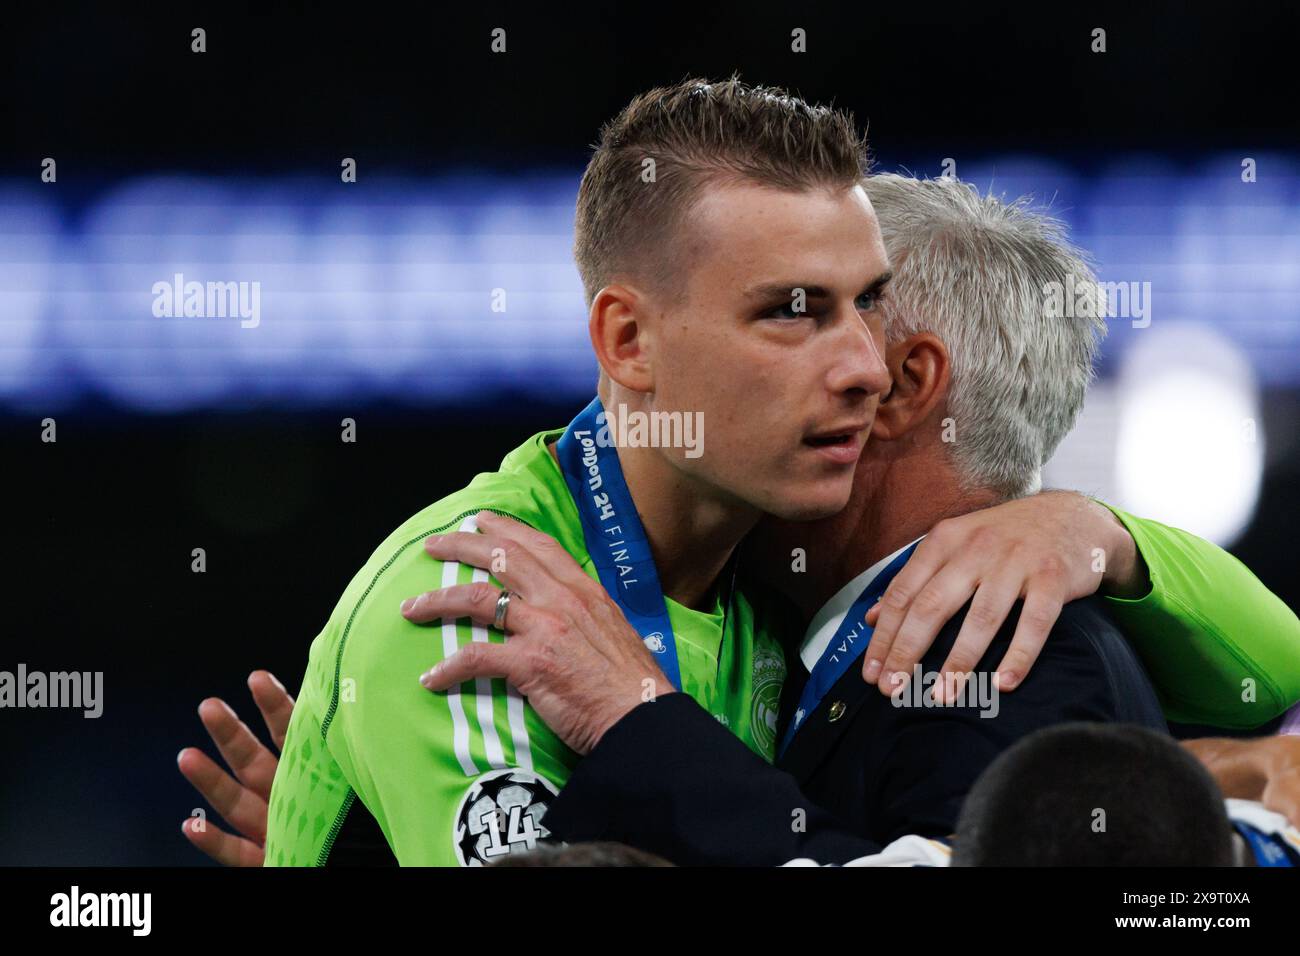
(986, 375)
(1094, 795)
(733, 266)
(978, 278)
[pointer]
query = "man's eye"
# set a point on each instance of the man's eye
(786, 312)
(869, 300)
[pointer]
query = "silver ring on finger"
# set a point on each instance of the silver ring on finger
(503, 607)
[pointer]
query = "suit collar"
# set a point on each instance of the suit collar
(818, 734)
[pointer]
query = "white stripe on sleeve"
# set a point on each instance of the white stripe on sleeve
(496, 758)
(450, 644)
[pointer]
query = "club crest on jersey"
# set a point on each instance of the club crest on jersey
(655, 642)
(501, 813)
(769, 674)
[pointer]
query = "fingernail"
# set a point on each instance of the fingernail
(1006, 680)
(180, 755)
(408, 604)
(426, 680)
(873, 671)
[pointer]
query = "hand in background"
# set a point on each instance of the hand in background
(1265, 769)
(240, 800)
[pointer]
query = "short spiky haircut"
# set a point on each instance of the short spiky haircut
(698, 132)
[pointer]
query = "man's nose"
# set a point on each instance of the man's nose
(859, 363)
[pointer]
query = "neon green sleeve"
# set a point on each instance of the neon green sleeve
(1221, 648)
(421, 762)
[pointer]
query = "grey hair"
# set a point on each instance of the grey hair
(976, 271)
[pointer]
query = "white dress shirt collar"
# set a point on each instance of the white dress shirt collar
(827, 621)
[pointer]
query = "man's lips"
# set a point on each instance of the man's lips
(842, 445)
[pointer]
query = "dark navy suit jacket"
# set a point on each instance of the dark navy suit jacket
(670, 779)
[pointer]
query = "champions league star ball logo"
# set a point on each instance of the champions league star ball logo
(502, 814)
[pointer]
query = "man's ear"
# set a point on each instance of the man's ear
(920, 368)
(621, 337)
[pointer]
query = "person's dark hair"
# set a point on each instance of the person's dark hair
(654, 157)
(1094, 795)
(583, 854)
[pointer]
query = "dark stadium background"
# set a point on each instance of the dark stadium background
(99, 527)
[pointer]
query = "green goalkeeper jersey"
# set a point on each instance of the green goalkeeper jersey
(464, 778)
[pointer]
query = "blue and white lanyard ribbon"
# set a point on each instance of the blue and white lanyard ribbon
(612, 530)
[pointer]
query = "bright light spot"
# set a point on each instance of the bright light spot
(1190, 444)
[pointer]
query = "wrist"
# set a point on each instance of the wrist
(649, 691)
(1125, 573)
